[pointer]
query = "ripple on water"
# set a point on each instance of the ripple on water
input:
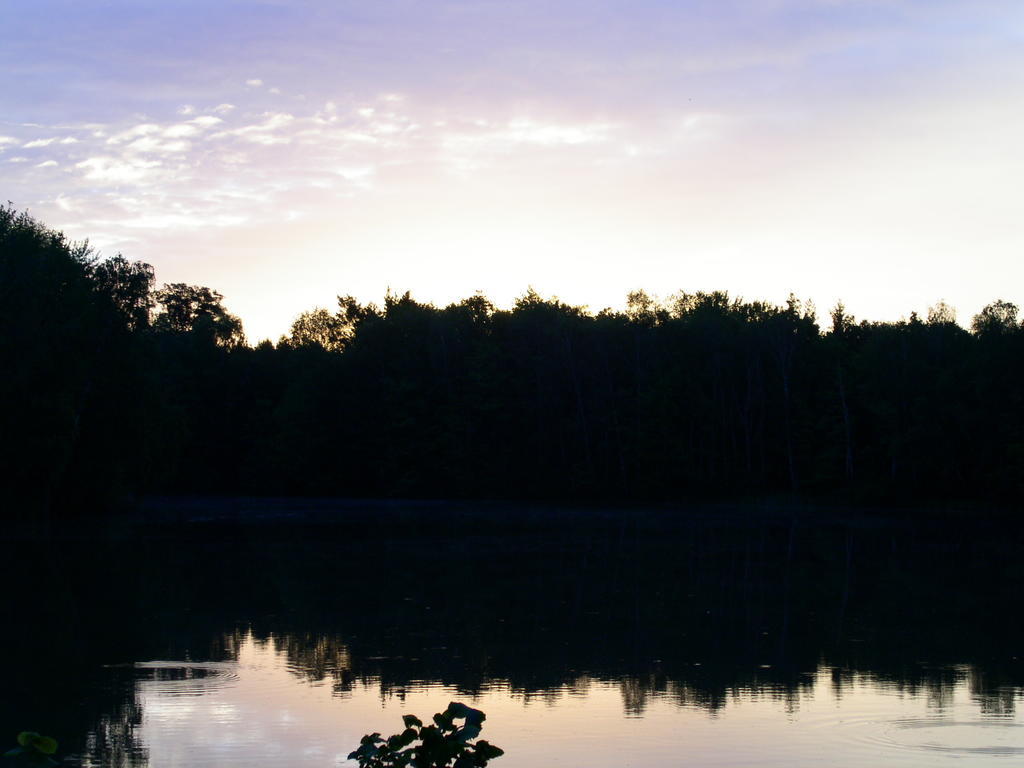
(956, 737)
(185, 678)
(959, 737)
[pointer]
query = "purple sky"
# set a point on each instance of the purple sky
(285, 152)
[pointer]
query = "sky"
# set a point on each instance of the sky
(286, 152)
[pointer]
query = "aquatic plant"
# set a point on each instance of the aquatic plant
(33, 749)
(439, 745)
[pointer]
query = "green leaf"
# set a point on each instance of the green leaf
(430, 735)
(46, 744)
(25, 738)
(457, 709)
(488, 750)
(407, 737)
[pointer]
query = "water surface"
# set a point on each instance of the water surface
(280, 634)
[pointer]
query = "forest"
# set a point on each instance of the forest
(113, 389)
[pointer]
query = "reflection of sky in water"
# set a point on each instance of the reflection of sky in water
(264, 711)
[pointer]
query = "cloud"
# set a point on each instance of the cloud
(530, 132)
(358, 175)
(110, 170)
(36, 143)
(151, 144)
(471, 146)
(187, 220)
(273, 163)
(191, 128)
(65, 203)
(144, 129)
(254, 82)
(208, 121)
(180, 130)
(261, 133)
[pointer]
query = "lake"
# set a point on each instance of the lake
(247, 632)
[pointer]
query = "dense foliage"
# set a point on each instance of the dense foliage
(113, 388)
(443, 744)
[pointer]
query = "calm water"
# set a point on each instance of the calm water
(278, 634)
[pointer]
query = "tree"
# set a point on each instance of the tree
(998, 317)
(196, 309)
(318, 328)
(941, 314)
(129, 284)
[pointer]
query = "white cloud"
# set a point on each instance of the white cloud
(110, 170)
(223, 109)
(38, 143)
(530, 132)
(358, 174)
(65, 203)
(47, 164)
(151, 144)
(254, 82)
(261, 133)
(183, 221)
(234, 158)
(191, 127)
(480, 143)
(186, 109)
(7, 140)
(207, 121)
(145, 129)
(180, 130)
(69, 140)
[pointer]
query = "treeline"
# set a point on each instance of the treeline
(113, 388)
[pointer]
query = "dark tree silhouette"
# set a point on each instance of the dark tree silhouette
(195, 309)
(129, 285)
(113, 389)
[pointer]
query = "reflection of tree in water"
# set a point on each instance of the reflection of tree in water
(318, 658)
(311, 657)
(695, 610)
(637, 692)
(113, 742)
(698, 611)
(994, 692)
